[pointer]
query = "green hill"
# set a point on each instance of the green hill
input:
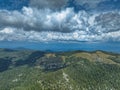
(77, 70)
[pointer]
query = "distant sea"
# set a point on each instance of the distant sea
(62, 46)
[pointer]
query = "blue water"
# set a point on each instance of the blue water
(63, 46)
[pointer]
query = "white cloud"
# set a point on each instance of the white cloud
(7, 31)
(45, 25)
(56, 36)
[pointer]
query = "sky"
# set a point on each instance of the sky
(60, 20)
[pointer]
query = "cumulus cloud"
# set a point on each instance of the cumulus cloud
(44, 24)
(109, 21)
(44, 20)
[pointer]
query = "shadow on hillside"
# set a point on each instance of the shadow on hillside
(30, 60)
(4, 64)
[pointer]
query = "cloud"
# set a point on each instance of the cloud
(51, 4)
(109, 21)
(13, 34)
(91, 3)
(33, 24)
(95, 5)
(43, 20)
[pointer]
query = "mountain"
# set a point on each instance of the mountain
(75, 70)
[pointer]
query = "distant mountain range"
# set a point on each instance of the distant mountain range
(75, 70)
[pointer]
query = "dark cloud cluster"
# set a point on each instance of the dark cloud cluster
(51, 4)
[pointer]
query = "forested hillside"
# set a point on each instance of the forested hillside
(77, 70)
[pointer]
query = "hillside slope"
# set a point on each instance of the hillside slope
(77, 70)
